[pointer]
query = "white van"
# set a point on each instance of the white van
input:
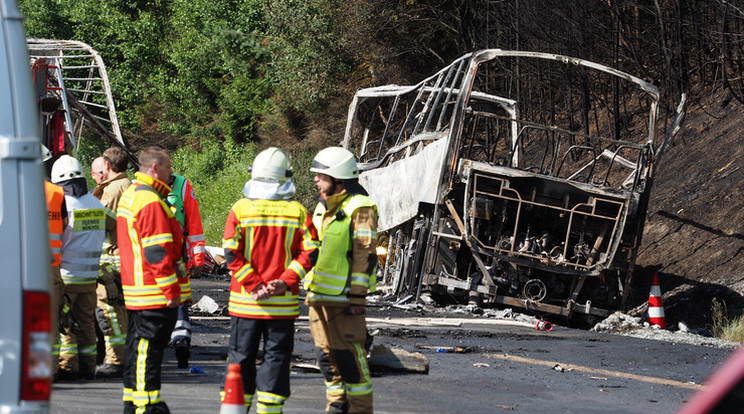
(24, 237)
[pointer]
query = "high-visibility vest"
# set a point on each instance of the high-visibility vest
(184, 209)
(175, 199)
(331, 274)
(82, 239)
(54, 197)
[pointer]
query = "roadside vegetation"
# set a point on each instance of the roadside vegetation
(725, 327)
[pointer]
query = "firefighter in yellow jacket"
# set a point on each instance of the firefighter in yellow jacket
(153, 279)
(269, 240)
(343, 275)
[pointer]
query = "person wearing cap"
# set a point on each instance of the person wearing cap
(109, 173)
(269, 243)
(82, 239)
(345, 272)
(153, 277)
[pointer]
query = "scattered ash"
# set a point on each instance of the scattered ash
(623, 324)
(401, 333)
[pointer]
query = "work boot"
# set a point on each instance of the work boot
(66, 376)
(157, 408)
(109, 371)
(87, 369)
(182, 352)
(337, 408)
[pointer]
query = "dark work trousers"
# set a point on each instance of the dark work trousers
(272, 378)
(182, 330)
(148, 335)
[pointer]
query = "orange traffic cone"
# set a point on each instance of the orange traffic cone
(234, 401)
(655, 306)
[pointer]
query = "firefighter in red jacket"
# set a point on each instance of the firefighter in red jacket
(269, 241)
(153, 279)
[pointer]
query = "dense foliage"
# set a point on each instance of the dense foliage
(206, 77)
(220, 68)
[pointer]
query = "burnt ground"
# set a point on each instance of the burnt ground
(693, 235)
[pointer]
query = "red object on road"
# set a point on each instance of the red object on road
(542, 325)
(655, 305)
(234, 400)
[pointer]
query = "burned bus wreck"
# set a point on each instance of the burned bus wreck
(512, 178)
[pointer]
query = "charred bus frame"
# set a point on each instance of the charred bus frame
(512, 178)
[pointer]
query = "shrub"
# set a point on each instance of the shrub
(217, 172)
(722, 326)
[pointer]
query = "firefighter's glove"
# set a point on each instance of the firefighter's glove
(104, 277)
(181, 270)
(113, 293)
(65, 315)
(114, 296)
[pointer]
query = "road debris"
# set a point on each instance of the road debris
(542, 325)
(206, 305)
(382, 359)
(560, 368)
(624, 324)
(305, 367)
(196, 370)
(446, 349)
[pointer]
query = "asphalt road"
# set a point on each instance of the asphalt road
(506, 369)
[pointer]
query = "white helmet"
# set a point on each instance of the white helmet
(336, 162)
(272, 163)
(66, 168)
(46, 155)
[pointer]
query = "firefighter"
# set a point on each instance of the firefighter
(109, 173)
(344, 274)
(57, 216)
(186, 209)
(269, 240)
(153, 277)
(82, 239)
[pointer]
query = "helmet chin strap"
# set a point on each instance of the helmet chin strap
(334, 189)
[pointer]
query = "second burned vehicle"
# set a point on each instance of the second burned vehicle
(512, 178)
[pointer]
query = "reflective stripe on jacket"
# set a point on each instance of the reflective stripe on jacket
(149, 239)
(55, 195)
(82, 239)
(186, 210)
(332, 277)
(266, 240)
